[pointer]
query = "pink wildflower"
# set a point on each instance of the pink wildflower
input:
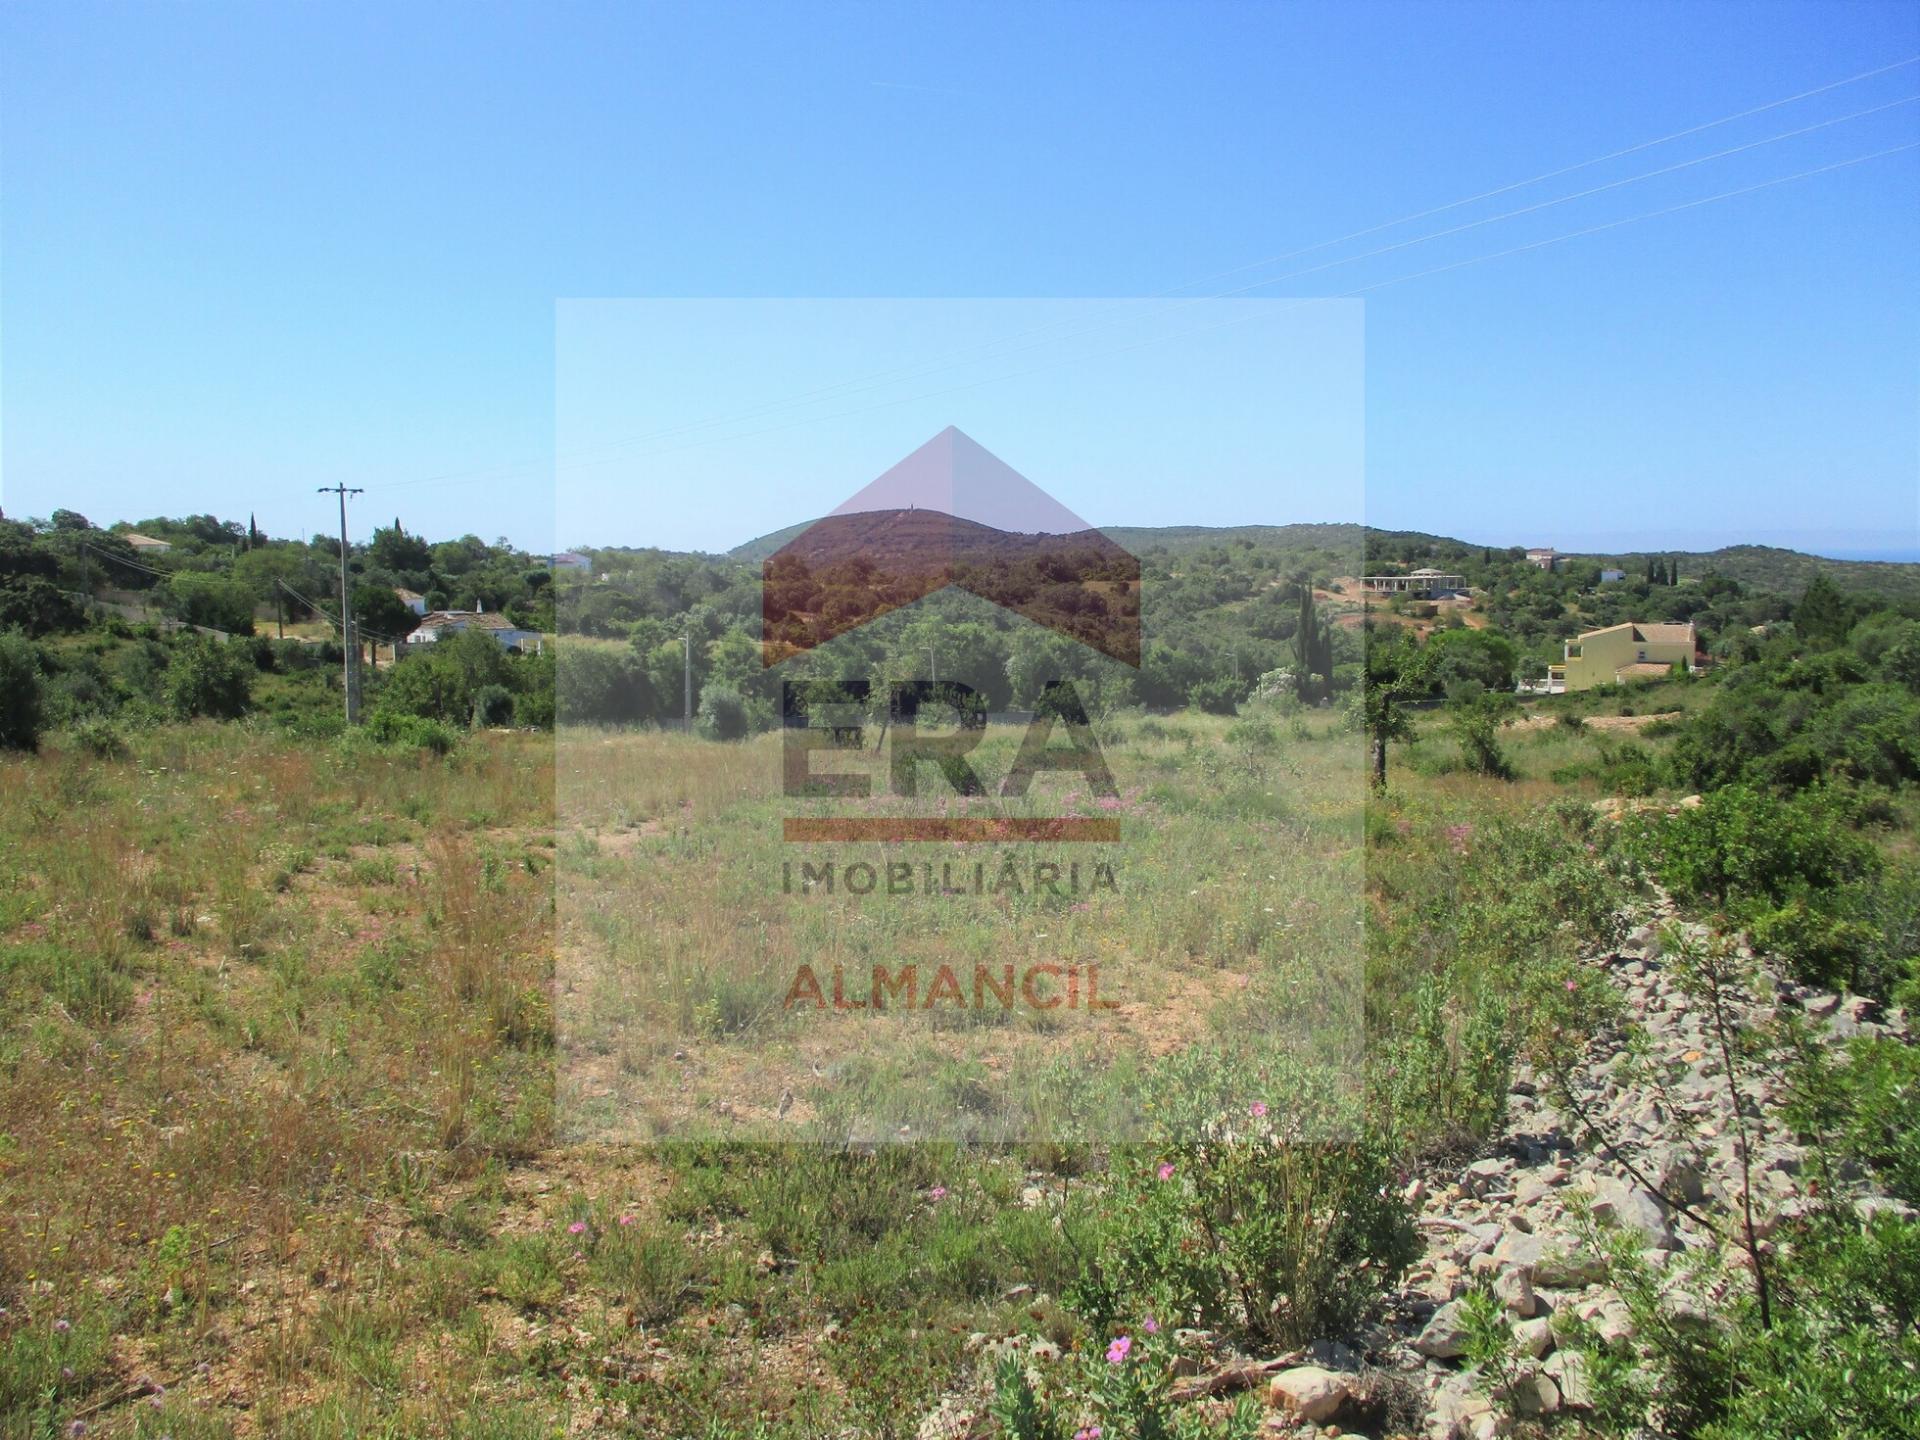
(579, 1227)
(1572, 985)
(61, 1327)
(939, 1192)
(1117, 1351)
(626, 1219)
(1152, 1327)
(1258, 1109)
(1166, 1170)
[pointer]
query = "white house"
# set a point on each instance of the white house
(1543, 557)
(572, 560)
(1608, 577)
(451, 622)
(412, 599)
(146, 544)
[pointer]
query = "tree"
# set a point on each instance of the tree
(1478, 655)
(378, 611)
(1823, 615)
(218, 602)
(723, 714)
(1312, 646)
(21, 711)
(208, 677)
(1394, 674)
(400, 553)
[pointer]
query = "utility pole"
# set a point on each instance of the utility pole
(348, 641)
(933, 666)
(686, 658)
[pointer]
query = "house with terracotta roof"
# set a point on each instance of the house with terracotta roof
(444, 623)
(1621, 653)
(146, 544)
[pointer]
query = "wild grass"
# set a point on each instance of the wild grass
(686, 920)
(285, 1047)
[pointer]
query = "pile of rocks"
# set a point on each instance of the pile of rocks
(1648, 1142)
(1652, 1146)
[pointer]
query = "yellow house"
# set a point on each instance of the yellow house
(1624, 652)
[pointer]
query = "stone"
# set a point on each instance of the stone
(1514, 1287)
(1533, 1338)
(1677, 1173)
(1445, 1335)
(1553, 1260)
(1483, 1177)
(1633, 1207)
(1568, 1371)
(1310, 1392)
(1458, 1407)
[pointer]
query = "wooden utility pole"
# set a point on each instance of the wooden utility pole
(349, 642)
(686, 659)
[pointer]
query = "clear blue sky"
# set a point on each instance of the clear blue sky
(248, 249)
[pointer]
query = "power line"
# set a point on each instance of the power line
(1344, 295)
(348, 643)
(881, 379)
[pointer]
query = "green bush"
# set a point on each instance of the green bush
(1474, 717)
(1742, 847)
(99, 739)
(1267, 1214)
(21, 698)
(1218, 696)
(492, 705)
(722, 714)
(601, 685)
(1122, 1386)
(427, 686)
(208, 677)
(217, 601)
(391, 727)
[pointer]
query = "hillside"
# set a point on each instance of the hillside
(1759, 567)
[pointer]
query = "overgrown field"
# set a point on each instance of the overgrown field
(287, 1145)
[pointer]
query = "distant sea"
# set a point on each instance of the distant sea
(1909, 556)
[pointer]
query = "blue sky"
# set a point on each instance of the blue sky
(250, 249)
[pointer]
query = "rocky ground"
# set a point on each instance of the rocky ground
(1652, 1147)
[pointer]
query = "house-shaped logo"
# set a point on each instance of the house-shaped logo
(951, 513)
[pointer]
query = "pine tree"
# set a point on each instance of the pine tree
(1312, 646)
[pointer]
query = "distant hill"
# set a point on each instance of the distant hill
(1759, 567)
(1766, 567)
(1144, 538)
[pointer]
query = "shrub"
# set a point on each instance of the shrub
(1218, 696)
(1267, 1213)
(429, 686)
(1742, 849)
(1123, 1385)
(492, 705)
(215, 601)
(722, 714)
(601, 685)
(21, 705)
(100, 740)
(391, 727)
(1475, 719)
(208, 677)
